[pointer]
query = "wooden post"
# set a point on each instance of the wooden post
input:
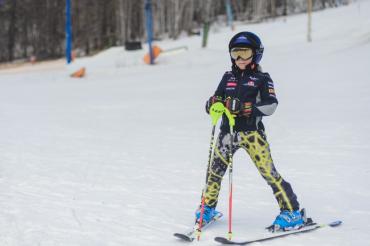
(205, 34)
(206, 21)
(309, 23)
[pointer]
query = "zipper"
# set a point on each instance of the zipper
(249, 120)
(239, 85)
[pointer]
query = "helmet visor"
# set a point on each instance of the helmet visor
(244, 53)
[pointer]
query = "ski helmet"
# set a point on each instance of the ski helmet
(248, 39)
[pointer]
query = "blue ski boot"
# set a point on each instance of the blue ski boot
(208, 214)
(288, 220)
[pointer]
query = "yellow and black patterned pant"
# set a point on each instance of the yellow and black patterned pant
(256, 145)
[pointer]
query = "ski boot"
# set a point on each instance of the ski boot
(289, 220)
(208, 214)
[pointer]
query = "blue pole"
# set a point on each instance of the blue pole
(68, 32)
(149, 28)
(229, 13)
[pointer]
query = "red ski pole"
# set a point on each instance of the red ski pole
(231, 123)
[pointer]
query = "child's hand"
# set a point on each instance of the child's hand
(212, 100)
(233, 105)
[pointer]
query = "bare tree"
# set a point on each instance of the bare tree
(36, 27)
(12, 29)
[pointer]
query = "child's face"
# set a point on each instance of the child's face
(242, 64)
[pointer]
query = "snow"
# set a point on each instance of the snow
(119, 157)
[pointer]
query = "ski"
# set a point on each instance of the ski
(192, 233)
(304, 229)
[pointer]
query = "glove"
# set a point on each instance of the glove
(212, 100)
(246, 109)
(233, 105)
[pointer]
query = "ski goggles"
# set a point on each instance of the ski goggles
(244, 53)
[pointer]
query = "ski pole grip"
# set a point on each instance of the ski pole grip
(230, 117)
(216, 111)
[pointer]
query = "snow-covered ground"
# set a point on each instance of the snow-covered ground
(119, 157)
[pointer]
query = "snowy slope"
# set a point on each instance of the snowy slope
(119, 157)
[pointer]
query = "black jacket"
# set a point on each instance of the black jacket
(250, 85)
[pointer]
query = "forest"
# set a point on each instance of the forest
(36, 28)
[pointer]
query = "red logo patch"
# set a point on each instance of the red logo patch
(231, 84)
(250, 83)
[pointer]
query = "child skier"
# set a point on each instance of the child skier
(249, 94)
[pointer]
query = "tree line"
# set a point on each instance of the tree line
(37, 27)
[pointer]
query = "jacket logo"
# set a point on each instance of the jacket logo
(231, 84)
(250, 83)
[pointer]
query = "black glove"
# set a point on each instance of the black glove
(233, 105)
(212, 100)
